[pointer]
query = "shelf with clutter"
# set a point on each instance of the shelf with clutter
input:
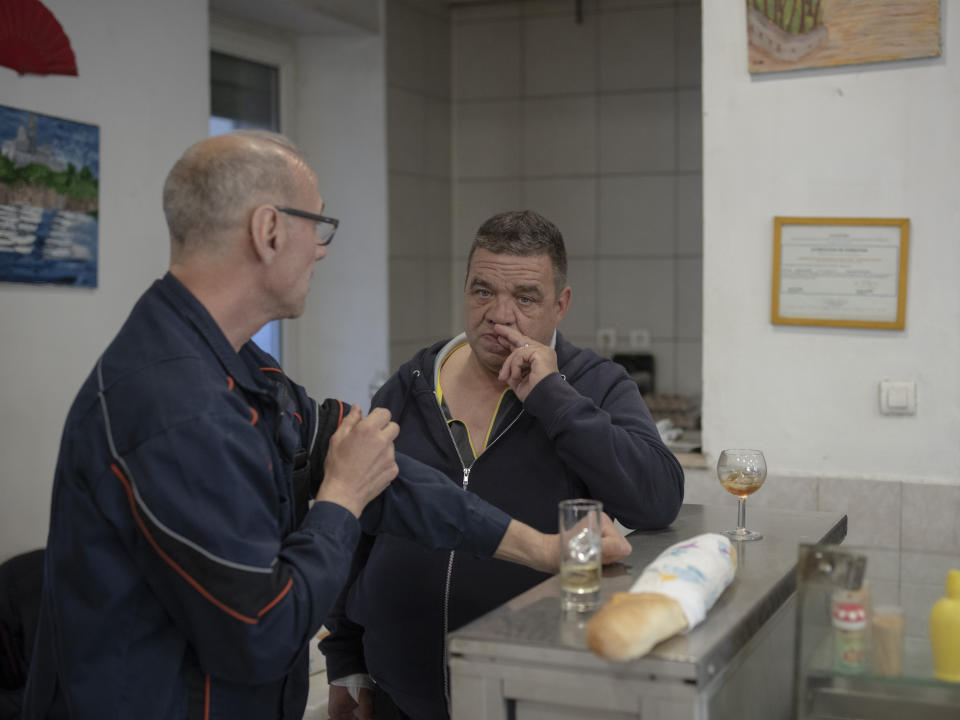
(876, 647)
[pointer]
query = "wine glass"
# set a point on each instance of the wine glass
(741, 473)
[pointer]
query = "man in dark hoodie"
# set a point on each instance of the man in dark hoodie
(511, 411)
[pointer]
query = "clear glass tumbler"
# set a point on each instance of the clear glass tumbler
(580, 556)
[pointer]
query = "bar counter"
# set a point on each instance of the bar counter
(528, 659)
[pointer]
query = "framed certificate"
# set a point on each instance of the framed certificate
(840, 272)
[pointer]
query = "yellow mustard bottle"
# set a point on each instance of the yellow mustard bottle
(945, 631)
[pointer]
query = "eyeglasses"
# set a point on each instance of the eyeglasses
(326, 226)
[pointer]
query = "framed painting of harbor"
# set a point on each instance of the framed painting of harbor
(795, 34)
(49, 199)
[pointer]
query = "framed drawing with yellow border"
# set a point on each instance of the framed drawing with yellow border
(840, 272)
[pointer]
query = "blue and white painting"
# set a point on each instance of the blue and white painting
(49, 199)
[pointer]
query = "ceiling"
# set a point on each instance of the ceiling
(320, 17)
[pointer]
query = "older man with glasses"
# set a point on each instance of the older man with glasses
(186, 568)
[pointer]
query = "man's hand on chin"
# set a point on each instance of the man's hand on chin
(528, 363)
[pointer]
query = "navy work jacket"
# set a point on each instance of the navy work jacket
(185, 574)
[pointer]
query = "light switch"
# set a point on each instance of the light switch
(606, 340)
(639, 339)
(898, 397)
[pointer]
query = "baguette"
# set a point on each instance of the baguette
(672, 595)
(630, 624)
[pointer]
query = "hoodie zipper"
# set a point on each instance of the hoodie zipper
(446, 589)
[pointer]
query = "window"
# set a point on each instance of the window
(246, 95)
(243, 94)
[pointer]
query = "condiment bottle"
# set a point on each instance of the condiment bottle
(945, 631)
(849, 636)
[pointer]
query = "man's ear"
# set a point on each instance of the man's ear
(266, 233)
(563, 302)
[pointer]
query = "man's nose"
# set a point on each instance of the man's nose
(501, 311)
(320, 253)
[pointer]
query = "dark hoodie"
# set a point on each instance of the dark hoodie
(584, 432)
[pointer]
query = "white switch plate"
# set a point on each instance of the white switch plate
(639, 339)
(606, 340)
(898, 397)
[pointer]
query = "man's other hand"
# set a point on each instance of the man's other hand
(541, 551)
(614, 546)
(341, 706)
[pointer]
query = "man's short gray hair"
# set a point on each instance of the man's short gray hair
(524, 233)
(207, 190)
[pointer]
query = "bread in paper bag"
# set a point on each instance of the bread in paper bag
(672, 595)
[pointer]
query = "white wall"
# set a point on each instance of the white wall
(875, 140)
(341, 341)
(143, 78)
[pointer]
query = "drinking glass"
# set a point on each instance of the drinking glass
(741, 473)
(580, 546)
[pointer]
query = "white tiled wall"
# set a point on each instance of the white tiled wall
(689, 296)
(559, 56)
(486, 59)
(631, 288)
(581, 317)
(688, 361)
(596, 125)
(488, 138)
(643, 203)
(637, 132)
(418, 163)
(473, 202)
(559, 136)
(689, 215)
(568, 202)
(638, 48)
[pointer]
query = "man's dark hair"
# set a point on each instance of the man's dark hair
(524, 232)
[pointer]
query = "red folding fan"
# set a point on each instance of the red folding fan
(32, 41)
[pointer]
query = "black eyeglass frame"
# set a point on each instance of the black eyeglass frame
(316, 218)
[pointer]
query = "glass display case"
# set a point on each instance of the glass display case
(854, 656)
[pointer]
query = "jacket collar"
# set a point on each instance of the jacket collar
(193, 310)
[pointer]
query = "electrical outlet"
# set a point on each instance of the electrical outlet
(606, 340)
(639, 339)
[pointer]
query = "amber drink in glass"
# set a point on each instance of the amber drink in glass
(742, 473)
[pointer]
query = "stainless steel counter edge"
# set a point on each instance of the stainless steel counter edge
(532, 628)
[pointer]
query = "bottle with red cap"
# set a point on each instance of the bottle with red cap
(849, 635)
